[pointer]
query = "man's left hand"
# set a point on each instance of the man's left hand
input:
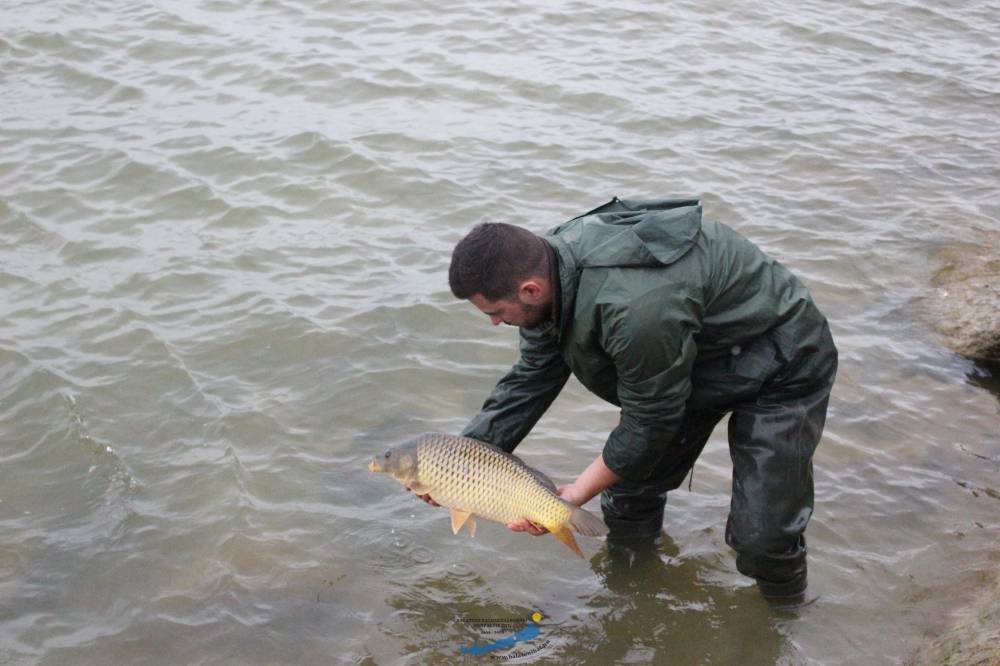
(567, 492)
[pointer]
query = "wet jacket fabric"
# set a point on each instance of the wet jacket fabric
(657, 309)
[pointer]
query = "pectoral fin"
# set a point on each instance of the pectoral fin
(563, 534)
(460, 518)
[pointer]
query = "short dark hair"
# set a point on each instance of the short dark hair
(494, 259)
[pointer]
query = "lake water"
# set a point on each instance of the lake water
(224, 237)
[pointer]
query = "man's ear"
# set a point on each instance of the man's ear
(532, 291)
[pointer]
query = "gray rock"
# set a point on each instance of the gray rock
(964, 306)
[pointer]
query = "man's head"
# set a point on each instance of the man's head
(504, 271)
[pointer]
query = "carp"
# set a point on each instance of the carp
(474, 478)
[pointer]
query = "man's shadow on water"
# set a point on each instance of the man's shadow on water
(657, 607)
(653, 607)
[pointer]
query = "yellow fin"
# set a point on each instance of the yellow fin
(563, 534)
(459, 518)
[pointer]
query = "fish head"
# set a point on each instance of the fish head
(399, 462)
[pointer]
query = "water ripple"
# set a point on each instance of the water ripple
(224, 236)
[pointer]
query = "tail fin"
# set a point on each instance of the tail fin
(562, 533)
(586, 523)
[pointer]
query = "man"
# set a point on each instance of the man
(678, 321)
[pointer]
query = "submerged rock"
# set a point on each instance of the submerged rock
(964, 306)
(973, 639)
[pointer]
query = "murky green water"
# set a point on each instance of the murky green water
(224, 234)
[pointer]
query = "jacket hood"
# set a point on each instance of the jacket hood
(630, 233)
(621, 233)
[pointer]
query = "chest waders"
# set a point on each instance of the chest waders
(775, 425)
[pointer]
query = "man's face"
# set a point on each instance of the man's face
(513, 311)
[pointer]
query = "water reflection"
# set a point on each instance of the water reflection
(651, 606)
(656, 607)
(435, 616)
(985, 375)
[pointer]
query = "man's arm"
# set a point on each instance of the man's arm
(653, 358)
(521, 397)
(653, 349)
(594, 480)
(524, 393)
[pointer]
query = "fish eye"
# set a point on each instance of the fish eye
(387, 454)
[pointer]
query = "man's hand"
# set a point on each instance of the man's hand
(526, 525)
(567, 492)
(426, 498)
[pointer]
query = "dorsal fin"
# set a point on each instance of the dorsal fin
(542, 478)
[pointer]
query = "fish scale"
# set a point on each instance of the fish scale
(475, 478)
(509, 494)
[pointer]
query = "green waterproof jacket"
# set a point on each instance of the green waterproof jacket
(650, 298)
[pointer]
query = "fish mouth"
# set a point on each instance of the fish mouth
(373, 466)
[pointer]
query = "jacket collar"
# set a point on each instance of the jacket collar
(568, 279)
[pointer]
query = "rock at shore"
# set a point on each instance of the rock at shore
(973, 639)
(964, 306)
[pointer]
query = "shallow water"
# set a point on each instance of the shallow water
(224, 235)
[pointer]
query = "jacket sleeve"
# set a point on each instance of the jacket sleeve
(653, 354)
(524, 393)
